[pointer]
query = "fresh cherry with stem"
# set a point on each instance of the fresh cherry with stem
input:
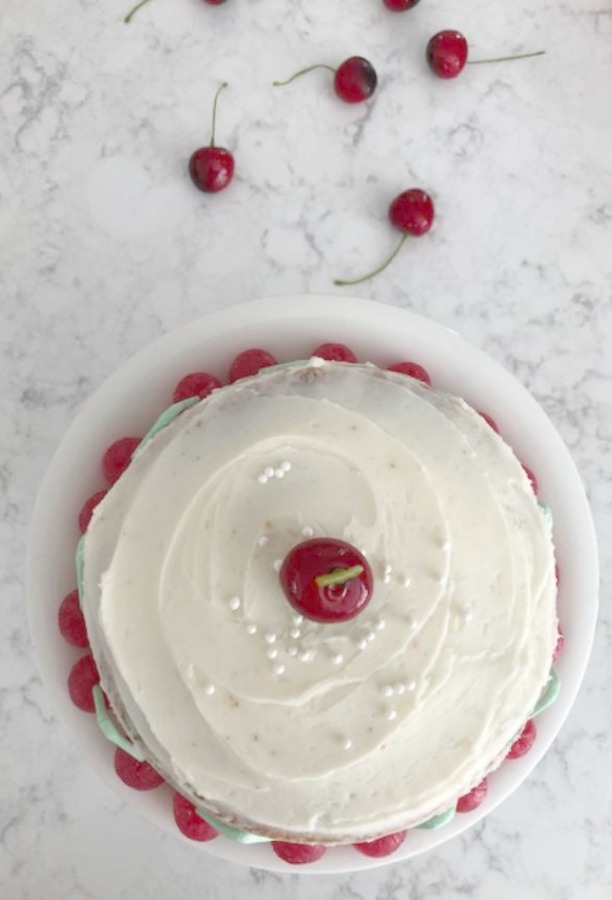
(212, 168)
(413, 214)
(355, 79)
(447, 54)
(142, 3)
(326, 580)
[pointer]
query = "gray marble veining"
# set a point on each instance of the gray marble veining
(104, 245)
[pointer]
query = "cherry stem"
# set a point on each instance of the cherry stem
(479, 62)
(338, 576)
(300, 73)
(347, 283)
(214, 112)
(133, 12)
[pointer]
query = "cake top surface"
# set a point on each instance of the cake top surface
(298, 727)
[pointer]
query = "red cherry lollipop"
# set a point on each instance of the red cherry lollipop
(326, 580)
(355, 79)
(447, 54)
(413, 214)
(212, 168)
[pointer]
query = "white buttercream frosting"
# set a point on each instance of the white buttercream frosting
(301, 728)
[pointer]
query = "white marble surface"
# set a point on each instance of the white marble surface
(104, 245)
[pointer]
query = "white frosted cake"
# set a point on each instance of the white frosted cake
(306, 730)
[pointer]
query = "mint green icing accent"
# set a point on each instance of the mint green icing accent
(235, 834)
(547, 513)
(109, 730)
(80, 565)
(550, 693)
(166, 417)
(438, 821)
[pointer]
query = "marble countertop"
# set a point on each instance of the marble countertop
(105, 244)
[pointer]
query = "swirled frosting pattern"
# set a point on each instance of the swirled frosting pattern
(296, 728)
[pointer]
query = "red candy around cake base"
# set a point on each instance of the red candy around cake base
(71, 622)
(473, 799)
(383, 846)
(190, 823)
(138, 775)
(88, 508)
(249, 362)
(335, 353)
(298, 854)
(413, 370)
(196, 384)
(83, 676)
(117, 457)
(524, 741)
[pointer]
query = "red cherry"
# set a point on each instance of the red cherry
(355, 79)
(138, 775)
(524, 741)
(559, 645)
(447, 53)
(412, 212)
(197, 384)
(413, 370)
(335, 353)
(400, 5)
(249, 362)
(117, 457)
(88, 508)
(473, 799)
(338, 600)
(83, 676)
(298, 854)
(490, 422)
(383, 846)
(190, 823)
(214, 2)
(532, 479)
(212, 168)
(71, 622)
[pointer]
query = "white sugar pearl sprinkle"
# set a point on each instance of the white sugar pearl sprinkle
(380, 624)
(391, 714)
(285, 465)
(234, 603)
(277, 565)
(272, 653)
(269, 472)
(307, 531)
(279, 473)
(347, 743)
(370, 636)
(400, 688)
(467, 615)
(362, 643)
(411, 685)
(263, 540)
(295, 633)
(251, 628)
(262, 479)
(210, 689)
(305, 655)
(270, 637)
(386, 578)
(387, 691)
(337, 659)
(297, 619)
(279, 669)
(406, 582)
(292, 650)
